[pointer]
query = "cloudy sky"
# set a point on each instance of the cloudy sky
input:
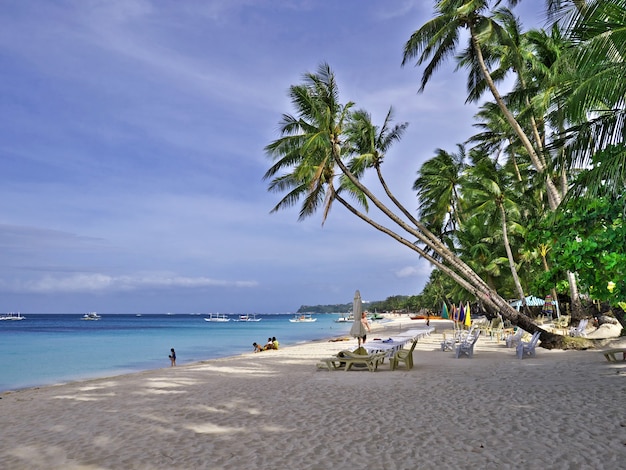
(131, 152)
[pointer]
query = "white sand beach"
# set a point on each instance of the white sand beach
(277, 410)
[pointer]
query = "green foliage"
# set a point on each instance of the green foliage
(588, 237)
(393, 303)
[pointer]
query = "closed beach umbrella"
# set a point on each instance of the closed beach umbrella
(461, 314)
(444, 311)
(455, 314)
(358, 329)
(468, 318)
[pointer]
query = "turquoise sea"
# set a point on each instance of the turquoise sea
(47, 349)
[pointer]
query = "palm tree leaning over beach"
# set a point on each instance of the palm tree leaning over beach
(308, 164)
(308, 142)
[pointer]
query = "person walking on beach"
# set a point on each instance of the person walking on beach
(172, 357)
(359, 328)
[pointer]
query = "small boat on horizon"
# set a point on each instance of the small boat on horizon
(91, 316)
(217, 317)
(12, 316)
(248, 317)
(302, 318)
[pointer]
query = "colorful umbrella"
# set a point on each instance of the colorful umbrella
(468, 318)
(461, 313)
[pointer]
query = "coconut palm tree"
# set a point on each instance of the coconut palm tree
(438, 39)
(306, 162)
(308, 142)
(437, 187)
(491, 193)
(594, 98)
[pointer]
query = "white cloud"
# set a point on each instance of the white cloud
(85, 283)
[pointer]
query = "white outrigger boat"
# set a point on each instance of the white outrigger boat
(345, 318)
(217, 317)
(12, 316)
(302, 318)
(91, 316)
(248, 317)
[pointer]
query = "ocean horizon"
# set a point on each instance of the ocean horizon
(47, 349)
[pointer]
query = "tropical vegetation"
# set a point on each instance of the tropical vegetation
(533, 202)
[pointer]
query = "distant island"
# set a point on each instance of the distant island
(335, 308)
(396, 303)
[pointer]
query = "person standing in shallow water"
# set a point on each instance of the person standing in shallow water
(172, 357)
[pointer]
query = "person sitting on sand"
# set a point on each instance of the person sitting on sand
(268, 345)
(256, 347)
(275, 342)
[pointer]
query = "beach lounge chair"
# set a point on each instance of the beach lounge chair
(528, 348)
(347, 359)
(611, 354)
(515, 338)
(403, 355)
(467, 345)
(579, 330)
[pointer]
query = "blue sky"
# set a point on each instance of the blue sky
(131, 152)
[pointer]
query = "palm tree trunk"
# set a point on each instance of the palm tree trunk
(457, 269)
(509, 254)
(546, 268)
(554, 196)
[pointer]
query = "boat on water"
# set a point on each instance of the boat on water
(302, 318)
(12, 316)
(217, 317)
(91, 316)
(248, 317)
(345, 318)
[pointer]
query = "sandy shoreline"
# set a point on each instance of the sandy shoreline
(276, 410)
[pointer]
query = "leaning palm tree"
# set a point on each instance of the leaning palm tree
(312, 161)
(438, 39)
(308, 142)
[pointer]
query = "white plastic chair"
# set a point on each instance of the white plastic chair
(528, 348)
(467, 346)
(580, 329)
(458, 336)
(514, 339)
